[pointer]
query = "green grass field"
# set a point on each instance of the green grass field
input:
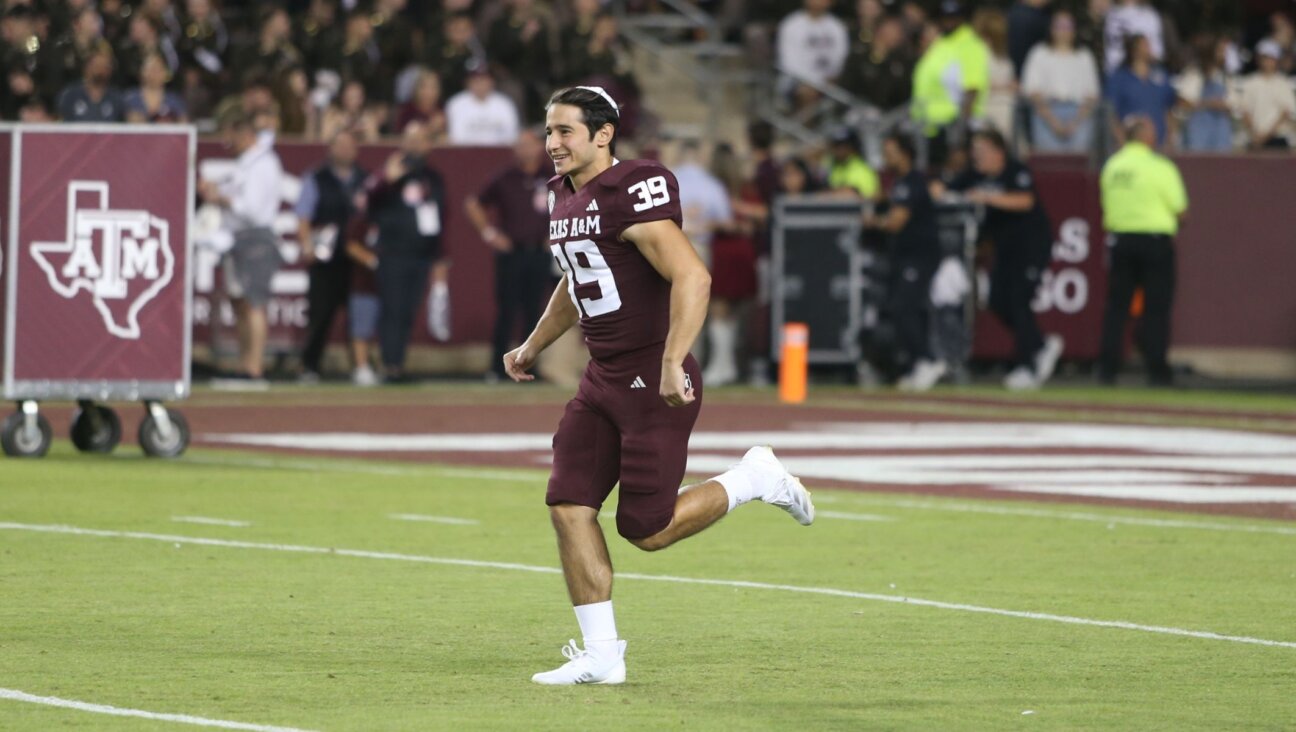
(330, 640)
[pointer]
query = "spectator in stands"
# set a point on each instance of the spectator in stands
(848, 174)
(704, 201)
(30, 63)
(407, 204)
(1144, 201)
(1061, 82)
(910, 220)
(249, 202)
(479, 115)
(1204, 91)
(460, 54)
(1132, 18)
(205, 40)
(868, 16)
(424, 106)
(1268, 104)
(84, 37)
(519, 42)
(271, 51)
(812, 47)
(511, 215)
(151, 101)
(146, 39)
(575, 36)
(1001, 100)
(319, 37)
(325, 210)
(1141, 88)
(1028, 26)
(93, 99)
(165, 14)
(351, 112)
(733, 269)
(397, 41)
(605, 61)
(951, 82)
(880, 72)
(1283, 33)
(360, 58)
(297, 114)
(797, 178)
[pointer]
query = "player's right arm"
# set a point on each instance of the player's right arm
(559, 316)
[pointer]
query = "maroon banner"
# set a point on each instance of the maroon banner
(465, 170)
(100, 260)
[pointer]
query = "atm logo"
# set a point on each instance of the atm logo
(122, 258)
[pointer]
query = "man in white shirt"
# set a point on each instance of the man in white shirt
(1268, 104)
(249, 203)
(812, 44)
(479, 115)
(1132, 18)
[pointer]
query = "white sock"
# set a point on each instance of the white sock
(724, 345)
(740, 485)
(598, 627)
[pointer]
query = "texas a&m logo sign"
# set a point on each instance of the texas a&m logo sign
(118, 258)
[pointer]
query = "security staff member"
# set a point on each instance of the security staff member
(519, 198)
(911, 219)
(1023, 247)
(1143, 200)
(407, 205)
(324, 210)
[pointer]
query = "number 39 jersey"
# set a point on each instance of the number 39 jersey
(624, 303)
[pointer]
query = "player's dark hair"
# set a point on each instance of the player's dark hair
(994, 137)
(595, 110)
(905, 143)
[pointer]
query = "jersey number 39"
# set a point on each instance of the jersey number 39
(583, 263)
(651, 192)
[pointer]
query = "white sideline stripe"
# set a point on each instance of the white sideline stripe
(518, 475)
(210, 521)
(433, 519)
(53, 701)
(898, 599)
(1078, 516)
(852, 516)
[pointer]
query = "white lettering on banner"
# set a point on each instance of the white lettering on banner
(1073, 241)
(107, 250)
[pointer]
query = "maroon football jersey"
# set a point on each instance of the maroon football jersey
(624, 303)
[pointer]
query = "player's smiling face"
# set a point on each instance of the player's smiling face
(568, 140)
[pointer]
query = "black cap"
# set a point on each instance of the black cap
(845, 136)
(951, 8)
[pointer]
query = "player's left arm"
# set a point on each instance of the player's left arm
(666, 248)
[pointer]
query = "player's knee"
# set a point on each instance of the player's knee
(569, 515)
(654, 543)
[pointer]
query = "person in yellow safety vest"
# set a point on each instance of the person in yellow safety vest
(951, 81)
(848, 173)
(1143, 201)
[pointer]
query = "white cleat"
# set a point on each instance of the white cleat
(786, 490)
(586, 667)
(1046, 360)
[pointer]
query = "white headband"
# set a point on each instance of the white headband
(603, 93)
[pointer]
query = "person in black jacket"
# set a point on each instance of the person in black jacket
(915, 253)
(406, 203)
(324, 211)
(1016, 222)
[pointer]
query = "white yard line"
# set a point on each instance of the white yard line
(433, 519)
(828, 591)
(519, 475)
(1075, 516)
(80, 706)
(206, 520)
(852, 516)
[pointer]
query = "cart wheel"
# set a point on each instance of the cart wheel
(155, 445)
(96, 429)
(17, 441)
